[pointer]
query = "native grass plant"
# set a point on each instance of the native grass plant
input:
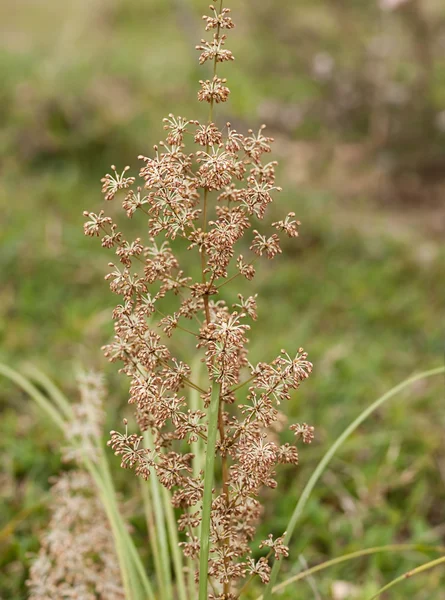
(208, 442)
(210, 198)
(87, 551)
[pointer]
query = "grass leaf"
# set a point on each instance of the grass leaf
(328, 456)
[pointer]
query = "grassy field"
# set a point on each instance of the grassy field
(85, 85)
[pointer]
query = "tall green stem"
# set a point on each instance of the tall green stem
(128, 576)
(133, 554)
(425, 567)
(208, 487)
(198, 451)
(151, 529)
(165, 591)
(174, 545)
(41, 401)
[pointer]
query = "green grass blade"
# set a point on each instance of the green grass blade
(328, 456)
(135, 561)
(119, 542)
(198, 450)
(352, 555)
(45, 404)
(208, 487)
(41, 400)
(151, 529)
(51, 389)
(8, 529)
(177, 556)
(166, 590)
(425, 567)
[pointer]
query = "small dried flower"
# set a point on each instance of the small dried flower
(214, 90)
(248, 306)
(269, 246)
(256, 145)
(288, 225)
(216, 168)
(260, 568)
(134, 200)
(234, 141)
(208, 135)
(214, 50)
(288, 454)
(304, 431)
(276, 545)
(112, 184)
(221, 21)
(113, 238)
(176, 127)
(96, 224)
(257, 196)
(191, 548)
(248, 270)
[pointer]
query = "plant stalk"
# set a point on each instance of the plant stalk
(425, 567)
(151, 530)
(174, 545)
(208, 488)
(166, 591)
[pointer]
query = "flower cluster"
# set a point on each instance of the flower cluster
(84, 430)
(77, 558)
(211, 198)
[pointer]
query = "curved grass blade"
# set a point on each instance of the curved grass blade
(41, 400)
(51, 389)
(174, 544)
(328, 456)
(8, 529)
(425, 567)
(208, 488)
(352, 555)
(151, 530)
(166, 590)
(135, 561)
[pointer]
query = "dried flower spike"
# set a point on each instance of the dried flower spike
(209, 187)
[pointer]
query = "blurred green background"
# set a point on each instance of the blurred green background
(354, 93)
